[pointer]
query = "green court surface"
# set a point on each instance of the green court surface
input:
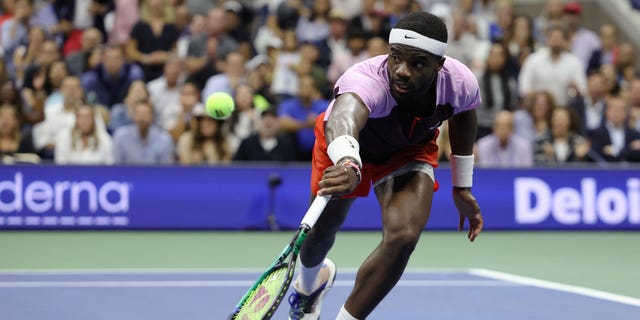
(608, 261)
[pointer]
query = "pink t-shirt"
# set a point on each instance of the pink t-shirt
(387, 129)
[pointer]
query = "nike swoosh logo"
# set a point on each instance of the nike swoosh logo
(408, 37)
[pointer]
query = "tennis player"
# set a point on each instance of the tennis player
(381, 130)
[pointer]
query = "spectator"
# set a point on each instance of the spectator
(562, 143)
(109, 82)
(634, 99)
(503, 148)
(75, 16)
(285, 77)
(349, 8)
(121, 114)
(356, 44)
(608, 52)
(78, 62)
(198, 50)
(205, 142)
(26, 53)
(10, 97)
(553, 69)
(614, 141)
(234, 26)
(625, 64)
(14, 31)
(4, 75)
(268, 35)
(464, 44)
(534, 119)
(47, 54)
(245, 118)
(165, 93)
(84, 143)
(611, 79)
(336, 42)
(142, 142)
(197, 27)
(297, 116)
(59, 117)
(189, 99)
(125, 16)
(584, 42)
(590, 107)
(153, 38)
(504, 18)
(498, 89)
(200, 73)
(8, 8)
(54, 74)
(13, 139)
(266, 144)
(313, 25)
(552, 14)
(520, 41)
(234, 74)
(374, 21)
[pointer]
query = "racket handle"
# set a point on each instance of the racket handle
(316, 208)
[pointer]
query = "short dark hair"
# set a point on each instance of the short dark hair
(425, 24)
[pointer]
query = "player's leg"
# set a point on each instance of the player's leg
(316, 273)
(406, 203)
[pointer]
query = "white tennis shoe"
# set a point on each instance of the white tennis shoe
(307, 307)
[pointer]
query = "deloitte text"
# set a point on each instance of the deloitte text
(69, 196)
(535, 201)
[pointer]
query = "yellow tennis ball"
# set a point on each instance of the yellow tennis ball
(220, 105)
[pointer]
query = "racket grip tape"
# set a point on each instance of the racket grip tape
(316, 208)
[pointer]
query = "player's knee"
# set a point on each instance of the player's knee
(401, 241)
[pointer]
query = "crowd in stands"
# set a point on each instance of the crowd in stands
(124, 81)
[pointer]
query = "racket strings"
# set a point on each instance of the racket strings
(260, 302)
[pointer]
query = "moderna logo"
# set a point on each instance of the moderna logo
(40, 196)
(535, 201)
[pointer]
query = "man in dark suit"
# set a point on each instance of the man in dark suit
(614, 140)
(590, 107)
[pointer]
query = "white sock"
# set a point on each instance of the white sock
(308, 278)
(344, 315)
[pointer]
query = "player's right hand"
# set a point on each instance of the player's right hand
(338, 180)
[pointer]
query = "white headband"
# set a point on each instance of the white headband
(414, 39)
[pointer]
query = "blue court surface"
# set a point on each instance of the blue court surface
(211, 294)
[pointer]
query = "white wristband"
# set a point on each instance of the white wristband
(462, 170)
(344, 146)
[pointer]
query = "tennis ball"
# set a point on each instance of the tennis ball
(220, 105)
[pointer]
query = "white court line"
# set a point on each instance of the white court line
(512, 278)
(231, 283)
(153, 271)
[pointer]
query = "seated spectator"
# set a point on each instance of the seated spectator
(206, 48)
(165, 93)
(76, 16)
(374, 20)
(233, 74)
(356, 52)
(590, 107)
(614, 141)
(15, 30)
(189, 99)
(313, 25)
(520, 41)
(244, 119)
(297, 116)
(84, 143)
(584, 42)
(35, 73)
(121, 113)
(285, 80)
(13, 140)
(608, 52)
(562, 143)
(634, 99)
(78, 62)
(553, 69)
(10, 97)
(205, 142)
(534, 119)
(109, 82)
(503, 148)
(59, 117)
(142, 142)
(153, 38)
(54, 74)
(27, 52)
(497, 87)
(266, 144)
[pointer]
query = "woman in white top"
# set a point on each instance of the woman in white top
(84, 143)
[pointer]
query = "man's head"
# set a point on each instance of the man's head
(71, 90)
(172, 70)
(269, 124)
(596, 86)
(617, 111)
(113, 60)
(572, 15)
(234, 64)
(308, 89)
(91, 38)
(557, 36)
(503, 126)
(417, 46)
(608, 36)
(634, 91)
(143, 116)
(49, 53)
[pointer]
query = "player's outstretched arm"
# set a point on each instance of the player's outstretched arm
(348, 116)
(462, 134)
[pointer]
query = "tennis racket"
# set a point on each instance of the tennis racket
(264, 297)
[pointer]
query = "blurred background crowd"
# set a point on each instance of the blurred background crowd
(123, 81)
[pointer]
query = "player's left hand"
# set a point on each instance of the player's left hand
(469, 209)
(338, 180)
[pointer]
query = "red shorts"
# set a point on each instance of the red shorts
(371, 173)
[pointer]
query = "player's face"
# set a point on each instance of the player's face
(411, 71)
